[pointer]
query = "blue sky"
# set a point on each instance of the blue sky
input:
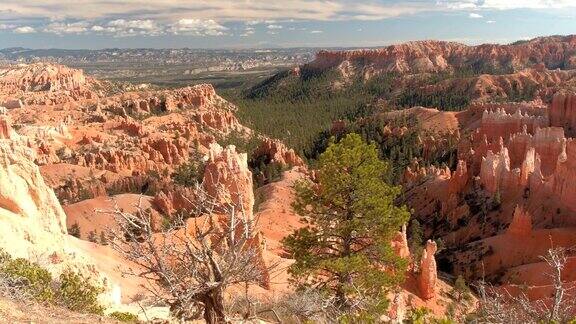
(276, 23)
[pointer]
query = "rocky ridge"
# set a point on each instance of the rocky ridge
(44, 84)
(436, 56)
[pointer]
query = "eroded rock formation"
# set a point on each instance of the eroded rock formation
(228, 179)
(521, 223)
(428, 276)
(274, 151)
(511, 195)
(23, 193)
(43, 84)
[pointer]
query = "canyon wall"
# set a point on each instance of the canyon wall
(435, 56)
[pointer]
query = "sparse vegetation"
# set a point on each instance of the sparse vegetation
(189, 174)
(418, 315)
(92, 237)
(461, 291)
(124, 317)
(35, 280)
(265, 171)
(78, 294)
(72, 290)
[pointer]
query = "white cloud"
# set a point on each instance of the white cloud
(475, 15)
(67, 28)
(24, 30)
(274, 27)
(135, 27)
(316, 32)
(253, 11)
(490, 21)
(247, 32)
(198, 27)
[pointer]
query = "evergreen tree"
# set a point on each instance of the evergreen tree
(92, 237)
(103, 238)
(345, 248)
(74, 230)
(416, 239)
(461, 290)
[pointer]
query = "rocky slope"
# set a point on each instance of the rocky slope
(525, 84)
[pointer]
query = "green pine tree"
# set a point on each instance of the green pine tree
(92, 237)
(351, 217)
(416, 239)
(74, 230)
(103, 238)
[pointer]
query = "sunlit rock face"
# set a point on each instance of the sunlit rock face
(228, 179)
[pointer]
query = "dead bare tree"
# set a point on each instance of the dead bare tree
(190, 263)
(500, 306)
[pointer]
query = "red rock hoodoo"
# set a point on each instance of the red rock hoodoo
(428, 275)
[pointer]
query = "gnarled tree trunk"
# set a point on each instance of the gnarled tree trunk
(214, 307)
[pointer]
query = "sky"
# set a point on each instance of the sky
(93, 24)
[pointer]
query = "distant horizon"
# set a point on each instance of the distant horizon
(279, 47)
(234, 24)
